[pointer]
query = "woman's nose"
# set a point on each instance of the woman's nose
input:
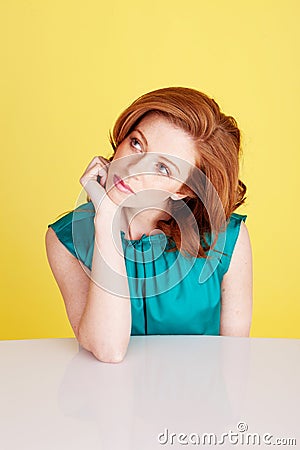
(139, 164)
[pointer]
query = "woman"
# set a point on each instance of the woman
(162, 250)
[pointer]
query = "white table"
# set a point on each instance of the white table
(57, 396)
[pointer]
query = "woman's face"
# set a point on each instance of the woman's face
(153, 161)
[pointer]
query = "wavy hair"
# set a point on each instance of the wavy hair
(218, 142)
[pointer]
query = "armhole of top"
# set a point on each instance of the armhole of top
(63, 230)
(232, 234)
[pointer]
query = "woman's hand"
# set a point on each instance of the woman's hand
(96, 191)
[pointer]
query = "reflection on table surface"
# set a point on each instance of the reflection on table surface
(56, 395)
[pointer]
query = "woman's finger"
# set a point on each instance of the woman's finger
(98, 162)
(94, 171)
(95, 160)
(94, 179)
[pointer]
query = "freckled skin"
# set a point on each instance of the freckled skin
(153, 179)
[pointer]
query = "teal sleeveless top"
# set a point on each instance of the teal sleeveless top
(169, 293)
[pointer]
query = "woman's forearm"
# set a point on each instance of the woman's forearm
(105, 325)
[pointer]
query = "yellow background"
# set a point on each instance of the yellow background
(69, 68)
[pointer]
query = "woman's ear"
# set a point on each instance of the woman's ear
(178, 196)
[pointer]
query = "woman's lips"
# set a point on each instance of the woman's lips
(119, 183)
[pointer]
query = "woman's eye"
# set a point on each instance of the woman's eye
(133, 140)
(163, 169)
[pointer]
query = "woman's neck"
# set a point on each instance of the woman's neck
(136, 222)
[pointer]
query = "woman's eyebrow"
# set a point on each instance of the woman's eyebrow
(163, 157)
(142, 136)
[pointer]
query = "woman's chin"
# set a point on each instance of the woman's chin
(141, 199)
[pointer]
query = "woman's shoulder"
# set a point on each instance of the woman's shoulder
(76, 231)
(84, 211)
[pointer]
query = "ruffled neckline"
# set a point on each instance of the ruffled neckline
(144, 237)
